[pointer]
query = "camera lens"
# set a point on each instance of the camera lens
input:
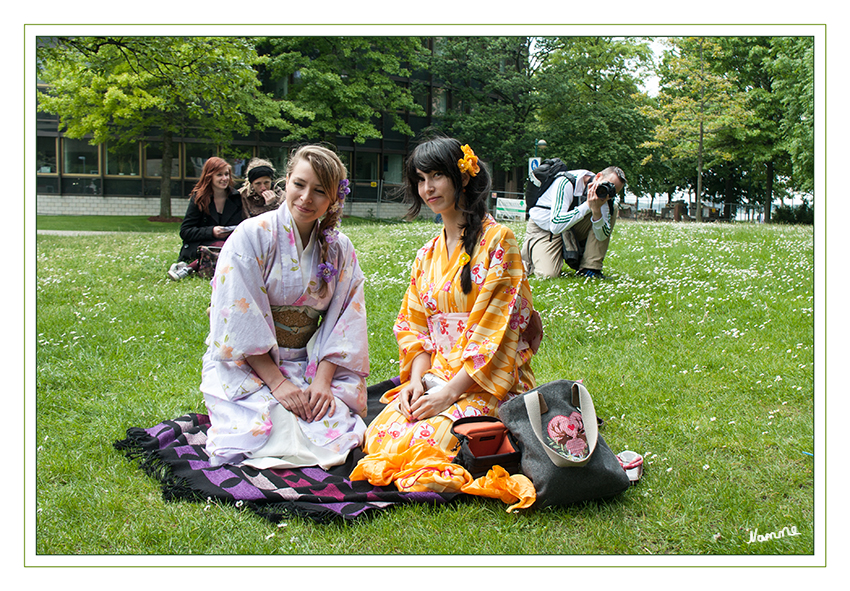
(605, 190)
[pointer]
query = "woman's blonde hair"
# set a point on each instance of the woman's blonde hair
(330, 172)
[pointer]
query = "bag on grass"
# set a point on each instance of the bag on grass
(484, 443)
(562, 452)
(207, 259)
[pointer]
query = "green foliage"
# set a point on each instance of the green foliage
(490, 80)
(800, 214)
(702, 364)
(343, 85)
(792, 67)
(124, 89)
(588, 110)
(119, 89)
(695, 103)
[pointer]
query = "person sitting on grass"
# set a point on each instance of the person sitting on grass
(467, 328)
(284, 370)
(260, 191)
(215, 209)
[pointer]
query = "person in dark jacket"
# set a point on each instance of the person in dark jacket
(215, 209)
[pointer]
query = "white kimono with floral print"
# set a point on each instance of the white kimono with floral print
(263, 264)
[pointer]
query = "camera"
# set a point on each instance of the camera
(606, 189)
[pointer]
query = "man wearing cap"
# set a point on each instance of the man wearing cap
(572, 221)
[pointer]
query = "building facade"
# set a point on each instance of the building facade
(74, 177)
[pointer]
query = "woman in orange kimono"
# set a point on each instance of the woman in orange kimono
(466, 329)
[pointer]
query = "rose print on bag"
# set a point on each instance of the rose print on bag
(566, 434)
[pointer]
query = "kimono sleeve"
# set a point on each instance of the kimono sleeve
(241, 323)
(343, 338)
(498, 316)
(411, 325)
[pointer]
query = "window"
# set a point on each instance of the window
(122, 160)
(438, 102)
(393, 167)
(277, 155)
(80, 157)
(194, 156)
(45, 155)
(153, 160)
(237, 157)
(366, 167)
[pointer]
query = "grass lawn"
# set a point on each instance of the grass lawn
(698, 350)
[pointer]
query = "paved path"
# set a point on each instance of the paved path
(75, 232)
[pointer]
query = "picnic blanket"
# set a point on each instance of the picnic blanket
(173, 452)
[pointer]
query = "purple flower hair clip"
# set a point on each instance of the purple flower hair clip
(343, 189)
(326, 272)
(330, 234)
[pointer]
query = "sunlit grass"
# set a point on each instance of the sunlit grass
(698, 350)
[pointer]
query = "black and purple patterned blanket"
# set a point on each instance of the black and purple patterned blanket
(174, 453)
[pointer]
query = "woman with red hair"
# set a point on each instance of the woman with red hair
(215, 209)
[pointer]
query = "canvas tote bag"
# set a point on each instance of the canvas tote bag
(562, 451)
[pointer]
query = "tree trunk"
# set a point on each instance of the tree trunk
(727, 205)
(701, 132)
(165, 175)
(768, 192)
(699, 176)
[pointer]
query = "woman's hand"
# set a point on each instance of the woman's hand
(430, 405)
(408, 395)
(320, 399)
(219, 232)
(414, 389)
(268, 195)
(293, 399)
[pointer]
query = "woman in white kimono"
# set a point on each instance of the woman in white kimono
(283, 374)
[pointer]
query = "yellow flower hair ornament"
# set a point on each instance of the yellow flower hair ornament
(469, 162)
(464, 258)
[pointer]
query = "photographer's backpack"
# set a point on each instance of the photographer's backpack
(542, 177)
(545, 174)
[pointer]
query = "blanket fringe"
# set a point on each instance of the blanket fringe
(141, 447)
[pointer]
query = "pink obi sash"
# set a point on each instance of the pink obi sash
(446, 329)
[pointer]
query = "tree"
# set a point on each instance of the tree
(588, 110)
(124, 89)
(695, 106)
(490, 84)
(793, 69)
(761, 148)
(344, 85)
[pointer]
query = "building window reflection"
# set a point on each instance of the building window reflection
(80, 157)
(153, 160)
(45, 155)
(122, 160)
(194, 156)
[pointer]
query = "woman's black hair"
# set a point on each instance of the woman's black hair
(441, 154)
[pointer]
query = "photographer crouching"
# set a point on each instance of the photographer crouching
(571, 220)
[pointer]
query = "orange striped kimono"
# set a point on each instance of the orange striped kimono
(480, 331)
